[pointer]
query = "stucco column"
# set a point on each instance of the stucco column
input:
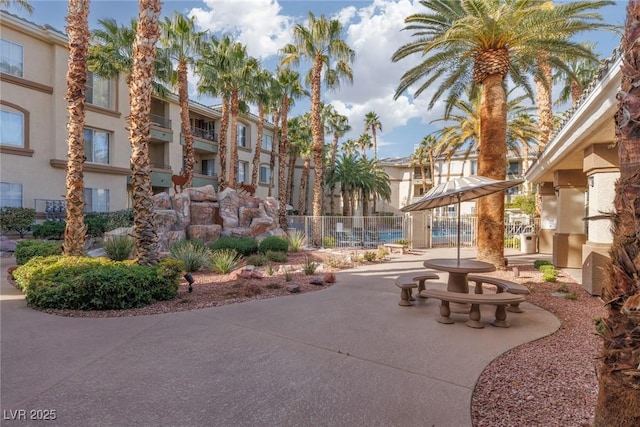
(570, 186)
(548, 217)
(599, 164)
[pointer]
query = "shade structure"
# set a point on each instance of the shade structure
(460, 190)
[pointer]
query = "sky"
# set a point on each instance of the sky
(372, 28)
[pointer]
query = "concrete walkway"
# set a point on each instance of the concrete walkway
(344, 356)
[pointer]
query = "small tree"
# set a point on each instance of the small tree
(526, 203)
(16, 219)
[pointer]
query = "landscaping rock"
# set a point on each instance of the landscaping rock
(96, 253)
(202, 194)
(7, 245)
(294, 289)
(329, 278)
(317, 282)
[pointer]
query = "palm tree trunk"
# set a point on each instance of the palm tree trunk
(78, 31)
(619, 378)
(492, 154)
(274, 146)
(543, 99)
(332, 163)
(222, 146)
(291, 169)
(233, 168)
(139, 126)
(423, 173)
(256, 155)
(284, 142)
(576, 93)
(318, 143)
(302, 200)
(183, 99)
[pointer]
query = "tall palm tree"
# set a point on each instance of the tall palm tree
(183, 44)
(301, 139)
(338, 126)
(372, 123)
(292, 89)
(485, 41)
(78, 33)
(18, 4)
(364, 143)
(321, 43)
(262, 95)
(144, 54)
(573, 84)
(350, 146)
(424, 156)
(619, 382)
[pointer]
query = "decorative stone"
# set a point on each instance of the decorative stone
(165, 240)
(204, 233)
(261, 225)
(294, 289)
(329, 278)
(202, 194)
(182, 206)
(165, 221)
(245, 215)
(121, 231)
(317, 282)
(202, 213)
(162, 201)
(256, 275)
(96, 253)
(270, 205)
(230, 203)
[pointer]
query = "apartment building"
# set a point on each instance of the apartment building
(33, 139)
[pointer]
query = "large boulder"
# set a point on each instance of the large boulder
(165, 220)
(202, 213)
(202, 194)
(230, 203)
(270, 206)
(161, 201)
(182, 206)
(246, 215)
(205, 233)
(261, 225)
(166, 240)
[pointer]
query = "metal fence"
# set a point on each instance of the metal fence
(354, 231)
(444, 230)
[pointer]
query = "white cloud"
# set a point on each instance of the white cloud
(257, 24)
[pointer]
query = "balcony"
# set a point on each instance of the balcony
(200, 180)
(160, 129)
(160, 176)
(204, 142)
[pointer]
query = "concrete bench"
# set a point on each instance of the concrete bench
(408, 282)
(392, 246)
(502, 285)
(500, 300)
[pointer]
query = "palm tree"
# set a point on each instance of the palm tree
(338, 126)
(320, 43)
(372, 123)
(301, 139)
(423, 156)
(21, 4)
(619, 382)
(144, 55)
(78, 33)
(484, 42)
(364, 143)
(350, 146)
(573, 84)
(262, 95)
(291, 87)
(183, 44)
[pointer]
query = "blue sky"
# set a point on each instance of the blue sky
(372, 29)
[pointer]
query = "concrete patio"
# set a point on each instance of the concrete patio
(344, 356)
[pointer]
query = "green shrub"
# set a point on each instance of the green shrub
(244, 246)
(546, 267)
(84, 283)
(540, 262)
(512, 242)
(550, 275)
(16, 219)
(257, 259)
(27, 249)
(121, 218)
(274, 244)
(276, 256)
(269, 270)
(309, 266)
(329, 242)
(224, 261)
(370, 256)
(403, 242)
(297, 240)
(119, 248)
(49, 230)
(193, 253)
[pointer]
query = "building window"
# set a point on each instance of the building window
(513, 169)
(98, 91)
(243, 168)
(96, 146)
(242, 136)
(265, 174)
(10, 195)
(267, 142)
(12, 129)
(11, 61)
(96, 200)
(208, 167)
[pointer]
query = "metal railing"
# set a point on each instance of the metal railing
(161, 121)
(204, 134)
(353, 231)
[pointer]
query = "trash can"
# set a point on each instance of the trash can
(528, 243)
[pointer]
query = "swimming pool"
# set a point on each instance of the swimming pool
(391, 236)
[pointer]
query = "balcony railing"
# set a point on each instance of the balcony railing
(160, 166)
(209, 135)
(161, 121)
